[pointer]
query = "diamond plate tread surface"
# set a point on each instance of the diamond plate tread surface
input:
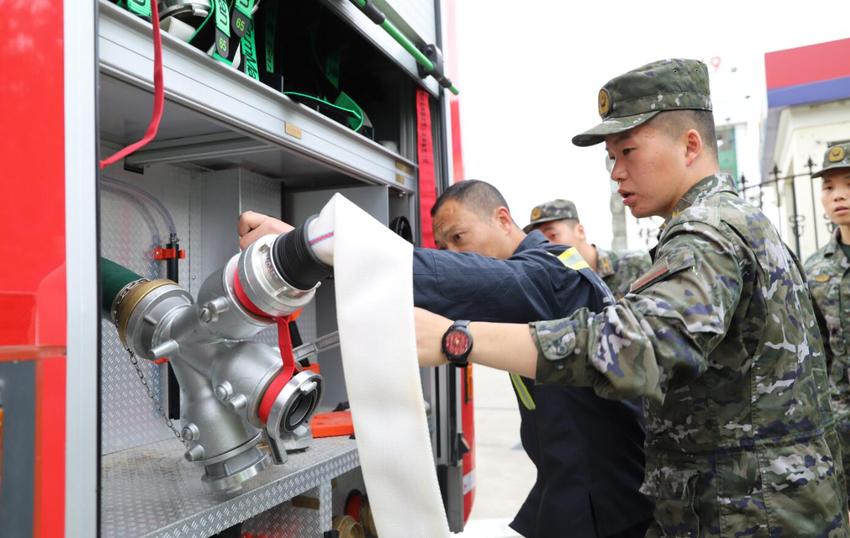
(153, 491)
(286, 520)
(127, 230)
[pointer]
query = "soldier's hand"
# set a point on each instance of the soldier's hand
(429, 334)
(253, 226)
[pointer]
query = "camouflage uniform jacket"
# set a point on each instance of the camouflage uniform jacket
(619, 270)
(721, 337)
(828, 274)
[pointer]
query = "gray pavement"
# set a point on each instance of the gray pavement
(503, 473)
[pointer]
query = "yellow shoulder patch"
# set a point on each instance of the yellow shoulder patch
(572, 259)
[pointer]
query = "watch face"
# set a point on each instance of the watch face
(457, 342)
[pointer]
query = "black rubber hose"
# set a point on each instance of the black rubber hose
(113, 278)
(295, 260)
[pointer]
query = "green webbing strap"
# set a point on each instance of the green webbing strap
(249, 53)
(142, 8)
(571, 259)
(355, 122)
(522, 391)
(242, 16)
(332, 68)
(222, 30)
(270, 29)
(201, 27)
(327, 103)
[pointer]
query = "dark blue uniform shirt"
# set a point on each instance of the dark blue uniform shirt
(588, 451)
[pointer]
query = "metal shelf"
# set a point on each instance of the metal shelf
(152, 491)
(420, 17)
(217, 117)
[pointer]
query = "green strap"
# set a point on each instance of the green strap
(270, 29)
(222, 29)
(522, 391)
(242, 16)
(142, 8)
(355, 122)
(332, 68)
(201, 27)
(354, 112)
(249, 54)
(573, 260)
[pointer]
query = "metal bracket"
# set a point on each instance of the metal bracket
(433, 53)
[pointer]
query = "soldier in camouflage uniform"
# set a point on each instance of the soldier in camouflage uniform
(828, 274)
(720, 335)
(558, 221)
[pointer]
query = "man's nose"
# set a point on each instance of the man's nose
(618, 173)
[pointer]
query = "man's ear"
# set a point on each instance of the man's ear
(503, 217)
(580, 232)
(693, 146)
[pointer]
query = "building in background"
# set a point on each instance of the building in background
(808, 97)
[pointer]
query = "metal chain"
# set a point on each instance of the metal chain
(168, 422)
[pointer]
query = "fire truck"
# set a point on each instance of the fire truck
(137, 132)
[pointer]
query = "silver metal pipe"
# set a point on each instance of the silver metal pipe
(224, 379)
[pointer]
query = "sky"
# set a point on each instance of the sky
(529, 73)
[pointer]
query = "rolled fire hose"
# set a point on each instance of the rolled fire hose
(374, 300)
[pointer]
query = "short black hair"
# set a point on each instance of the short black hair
(478, 196)
(676, 122)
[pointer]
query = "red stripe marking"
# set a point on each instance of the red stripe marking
(649, 277)
(803, 65)
(427, 176)
(321, 238)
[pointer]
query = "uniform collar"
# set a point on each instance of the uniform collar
(535, 239)
(832, 247)
(705, 187)
(837, 262)
(604, 262)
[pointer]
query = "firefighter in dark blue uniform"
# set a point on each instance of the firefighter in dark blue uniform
(588, 451)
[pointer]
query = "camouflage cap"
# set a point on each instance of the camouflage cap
(549, 211)
(637, 96)
(836, 156)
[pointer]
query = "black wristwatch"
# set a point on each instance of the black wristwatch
(457, 343)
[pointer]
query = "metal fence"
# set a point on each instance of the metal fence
(796, 206)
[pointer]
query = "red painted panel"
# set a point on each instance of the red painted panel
(32, 208)
(51, 314)
(32, 217)
(813, 63)
(17, 318)
(49, 505)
